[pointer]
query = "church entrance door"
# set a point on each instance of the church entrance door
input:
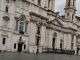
(53, 43)
(20, 47)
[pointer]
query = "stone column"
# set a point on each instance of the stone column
(75, 47)
(53, 5)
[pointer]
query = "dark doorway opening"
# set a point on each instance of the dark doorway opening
(20, 47)
(61, 46)
(53, 43)
(78, 50)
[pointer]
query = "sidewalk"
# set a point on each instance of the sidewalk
(26, 56)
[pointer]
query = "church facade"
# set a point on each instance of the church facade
(34, 26)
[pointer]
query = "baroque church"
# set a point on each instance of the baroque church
(33, 26)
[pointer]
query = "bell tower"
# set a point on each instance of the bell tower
(51, 5)
(70, 10)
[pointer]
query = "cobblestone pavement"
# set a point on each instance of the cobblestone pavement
(26, 56)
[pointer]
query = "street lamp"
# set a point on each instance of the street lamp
(38, 36)
(38, 39)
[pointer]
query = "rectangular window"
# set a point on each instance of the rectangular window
(4, 40)
(72, 44)
(68, 2)
(24, 46)
(22, 27)
(14, 45)
(39, 2)
(6, 9)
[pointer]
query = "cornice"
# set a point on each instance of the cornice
(50, 12)
(37, 15)
(69, 7)
(60, 28)
(36, 21)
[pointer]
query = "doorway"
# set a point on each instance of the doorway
(20, 47)
(53, 43)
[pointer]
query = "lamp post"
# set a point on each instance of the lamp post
(38, 39)
(38, 35)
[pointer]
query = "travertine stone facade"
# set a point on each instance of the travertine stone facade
(33, 26)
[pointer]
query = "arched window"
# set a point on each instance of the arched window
(55, 35)
(21, 24)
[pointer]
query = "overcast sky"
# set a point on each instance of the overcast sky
(61, 3)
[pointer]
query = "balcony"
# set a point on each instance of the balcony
(21, 32)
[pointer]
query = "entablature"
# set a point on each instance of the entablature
(38, 18)
(62, 29)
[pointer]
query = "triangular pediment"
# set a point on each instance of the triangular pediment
(59, 22)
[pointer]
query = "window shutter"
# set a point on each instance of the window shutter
(26, 23)
(24, 46)
(14, 45)
(17, 24)
(4, 40)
